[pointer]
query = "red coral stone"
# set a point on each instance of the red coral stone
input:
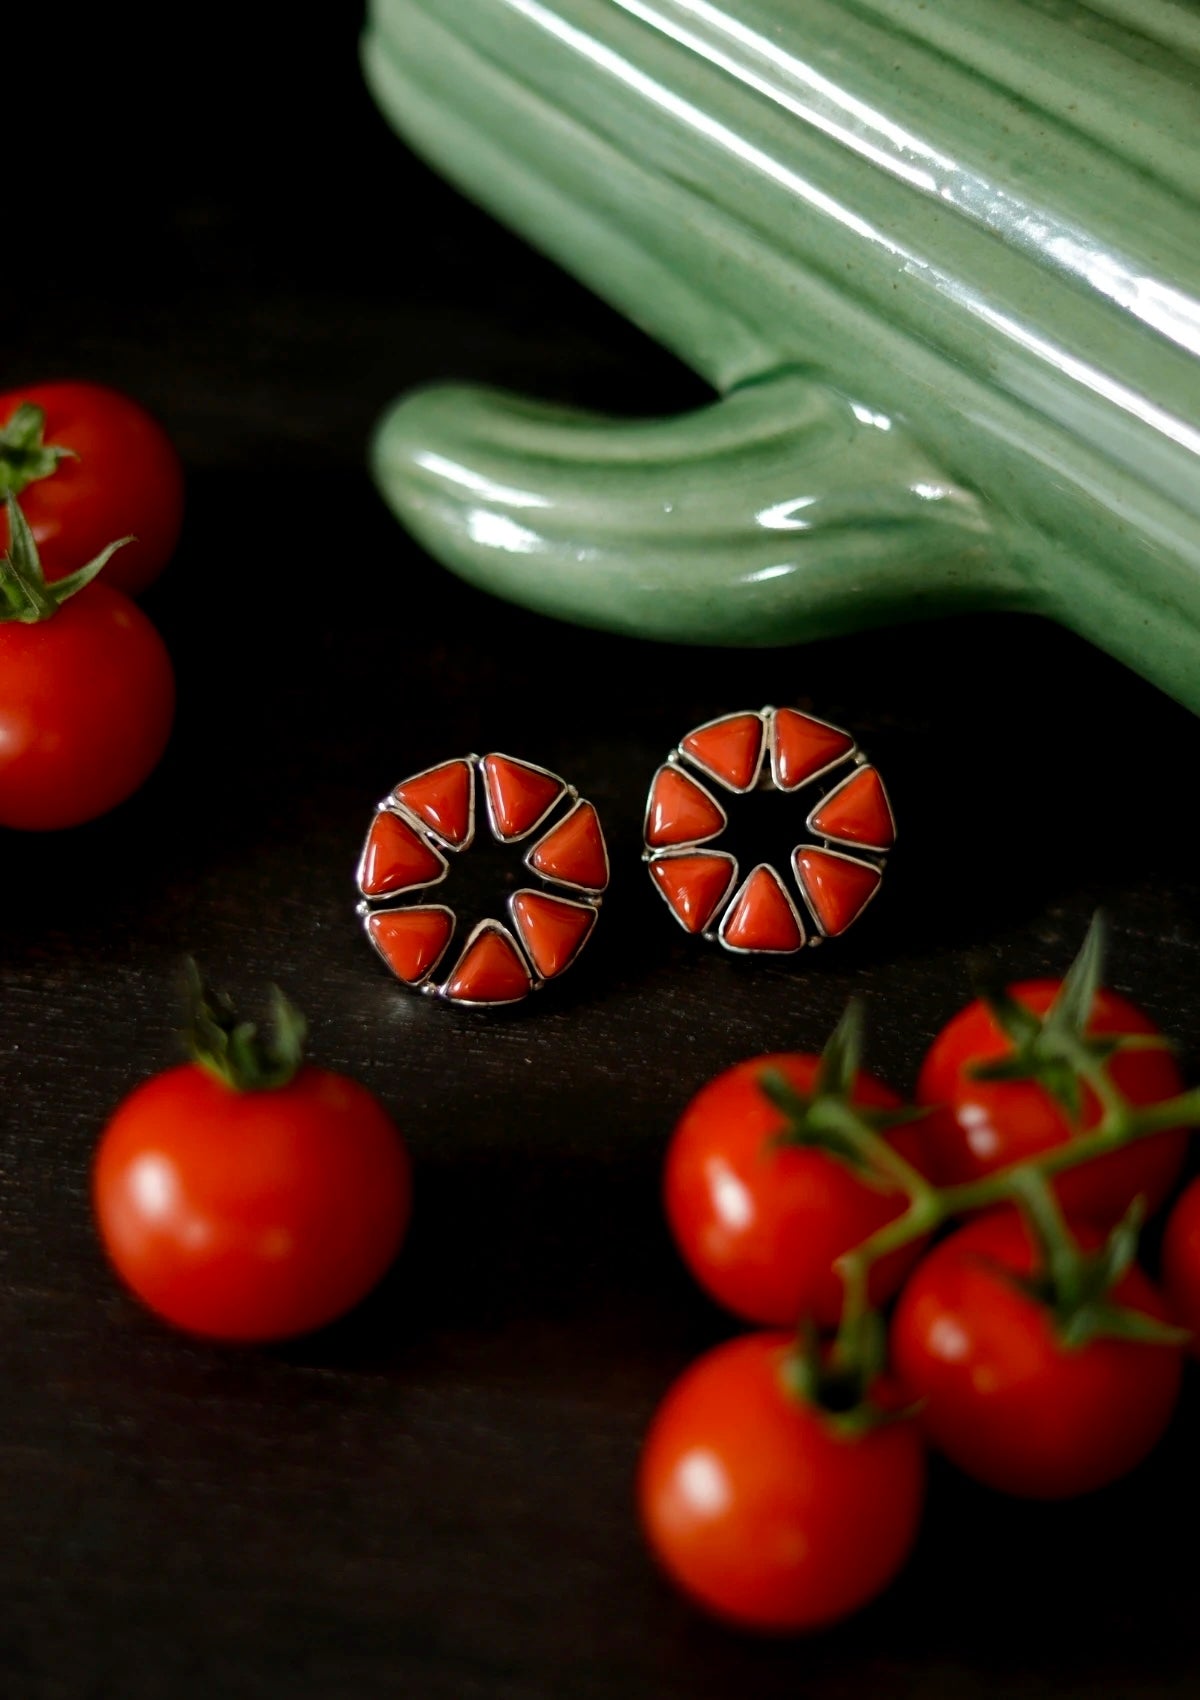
(519, 796)
(837, 888)
(573, 852)
(397, 858)
(552, 929)
(694, 886)
(762, 916)
(680, 811)
(802, 747)
(411, 941)
(441, 797)
(856, 812)
(490, 970)
(729, 749)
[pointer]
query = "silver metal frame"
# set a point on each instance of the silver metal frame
(591, 908)
(370, 914)
(673, 766)
(403, 816)
(486, 926)
(861, 766)
(738, 714)
(767, 778)
(731, 906)
(841, 856)
(565, 790)
(400, 807)
(553, 879)
(811, 778)
(675, 855)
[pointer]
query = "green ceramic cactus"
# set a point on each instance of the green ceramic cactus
(940, 263)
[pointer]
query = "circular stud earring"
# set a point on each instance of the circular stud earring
(431, 816)
(837, 869)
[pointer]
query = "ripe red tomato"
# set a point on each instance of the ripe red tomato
(1001, 1395)
(1181, 1261)
(759, 1224)
(126, 480)
(86, 702)
(251, 1215)
(758, 1507)
(980, 1126)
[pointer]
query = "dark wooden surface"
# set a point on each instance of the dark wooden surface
(433, 1498)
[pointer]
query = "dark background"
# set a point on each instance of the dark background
(433, 1498)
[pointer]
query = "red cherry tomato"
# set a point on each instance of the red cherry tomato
(126, 480)
(1001, 1395)
(86, 701)
(980, 1126)
(1181, 1261)
(252, 1215)
(759, 1224)
(758, 1507)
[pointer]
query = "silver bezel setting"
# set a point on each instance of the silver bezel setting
(671, 765)
(398, 806)
(731, 909)
(590, 908)
(487, 925)
(370, 914)
(555, 879)
(841, 856)
(564, 790)
(767, 779)
(738, 714)
(405, 819)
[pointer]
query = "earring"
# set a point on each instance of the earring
(430, 817)
(837, 868)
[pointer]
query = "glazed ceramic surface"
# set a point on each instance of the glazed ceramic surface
(939, 262)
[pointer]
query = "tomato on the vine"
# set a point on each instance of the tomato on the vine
(87, 694)
(251, 1208)
(761, 1507)
(977, 1127)
(1003, 1392)
(1181, 1260)
(122, 476)
(760, 1223)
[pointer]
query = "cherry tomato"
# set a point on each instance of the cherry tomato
(760, 1224)
(251, 1215)
(1181, 1261)
(126, 480)
(86, 702)
(1001, 1395)
(760, 1508)
(980, 1126)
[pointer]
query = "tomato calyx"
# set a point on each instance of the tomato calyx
(828, 1119)
(852, 1395)
(1074, 1284)
(25, 595)
(236, 1051)
(1055, 1050)
(24, 457)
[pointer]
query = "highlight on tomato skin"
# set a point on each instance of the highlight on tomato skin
(760, 1508)
(759, 1223)
(1001, 1393)
(251, 1216)
(977, 1127)
(121, 477)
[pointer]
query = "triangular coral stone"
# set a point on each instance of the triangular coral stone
(552, 929)
(694, 886)
(490, 970)
(411, 941)
(442, 799)
(837, 888)
(519, 796)
(680, 811)
(573, 853)
(761, 916)
(802, 747)
(397, 857)
(856, 812)
(729, 749)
